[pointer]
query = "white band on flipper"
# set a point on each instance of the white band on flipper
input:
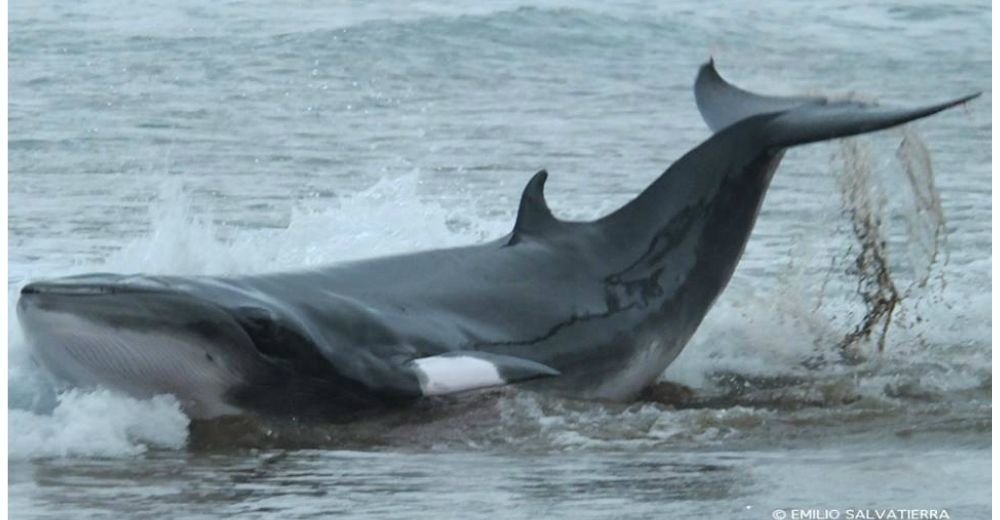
(441, 375)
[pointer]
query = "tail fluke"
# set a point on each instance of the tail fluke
(811, 123)
(721, 103)
(750, 132)
(797, 120)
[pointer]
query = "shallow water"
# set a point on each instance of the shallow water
(186, 138)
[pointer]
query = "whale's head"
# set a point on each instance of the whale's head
(146, 336)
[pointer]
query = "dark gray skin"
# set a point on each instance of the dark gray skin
(594, 310)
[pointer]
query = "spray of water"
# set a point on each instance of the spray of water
(864, 188)
(925, 222)
(864, 205)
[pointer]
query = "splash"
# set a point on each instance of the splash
(866, 204)
(926, 231)
(817, 344)
(45, 423)
(395, 220)
(97, 424)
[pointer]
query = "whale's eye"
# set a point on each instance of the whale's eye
(265, 330)
(279, 340)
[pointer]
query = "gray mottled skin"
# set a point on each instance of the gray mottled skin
(608, 304)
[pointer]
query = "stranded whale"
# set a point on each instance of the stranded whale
(589, 309)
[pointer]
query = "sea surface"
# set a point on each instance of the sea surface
(197, 137)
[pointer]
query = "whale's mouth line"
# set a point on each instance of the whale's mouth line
(141, 303)
(89, 289)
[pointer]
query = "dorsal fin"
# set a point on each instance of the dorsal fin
(533, 215)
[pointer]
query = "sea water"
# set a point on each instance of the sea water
(215, 138)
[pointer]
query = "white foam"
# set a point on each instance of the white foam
(97, 424)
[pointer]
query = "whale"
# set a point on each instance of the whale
(583, 309)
